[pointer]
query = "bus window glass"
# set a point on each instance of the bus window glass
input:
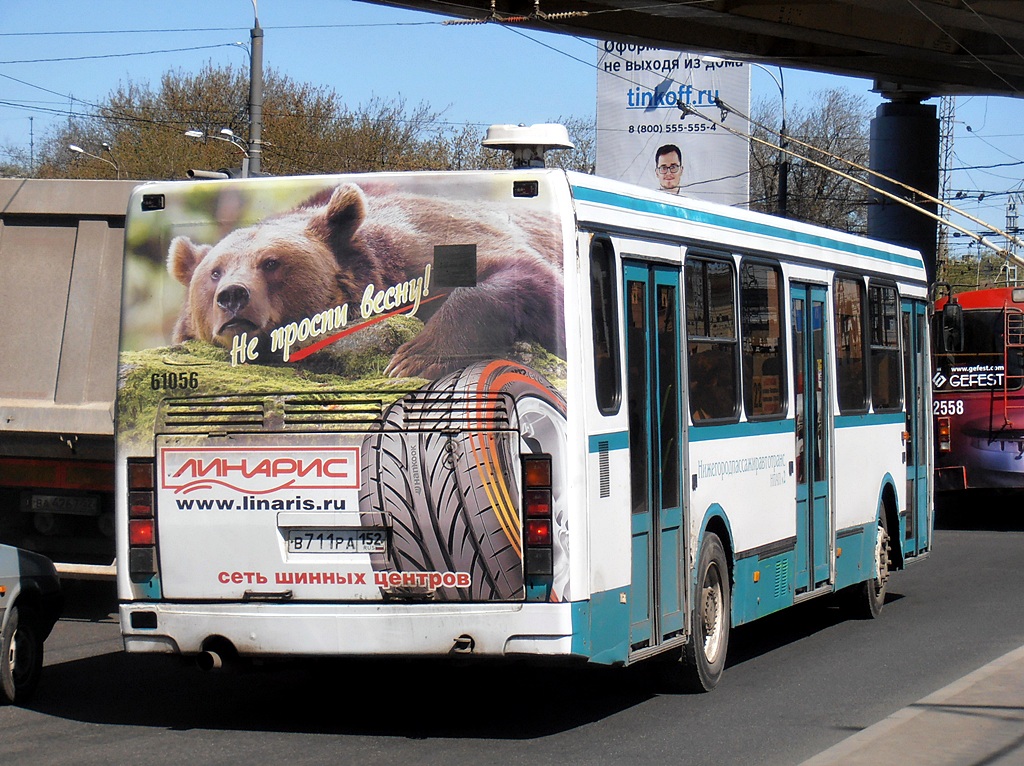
(851, 377)
(636, 344)
(886, 385)
(799, 387)
(668, 395)
(606, 341)
(980, 365)
(711, 339)
(761, 332)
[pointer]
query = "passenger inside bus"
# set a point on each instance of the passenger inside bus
(712, 383)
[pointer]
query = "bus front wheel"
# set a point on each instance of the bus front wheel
(703, 657)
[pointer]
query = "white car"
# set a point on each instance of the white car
(30, 604)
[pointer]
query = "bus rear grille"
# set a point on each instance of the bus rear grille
(326, 412)
(447, 411)
(317, 412)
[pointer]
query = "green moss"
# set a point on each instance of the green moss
(367, 353)
(356, 363)
(539, 359)
(196, 368)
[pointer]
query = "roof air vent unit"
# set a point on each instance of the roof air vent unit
(528, 143)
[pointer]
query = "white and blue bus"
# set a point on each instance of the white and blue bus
(512, 414)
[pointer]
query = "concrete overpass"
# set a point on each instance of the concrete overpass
(912, 49)
(938, 47)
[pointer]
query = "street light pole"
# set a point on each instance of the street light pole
(256, 94)
(782, 203)
(228, 135)
(109, 151)
(783, 156)
(79, 150)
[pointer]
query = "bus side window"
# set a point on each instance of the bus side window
(761, 324)
(605, 324)
(711, 339)
(886, 386)
(851, 373)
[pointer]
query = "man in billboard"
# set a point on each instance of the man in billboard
(668, 166)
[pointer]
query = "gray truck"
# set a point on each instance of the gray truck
(61, 249)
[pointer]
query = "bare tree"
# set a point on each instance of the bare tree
(837, 122)
(460, 148)
(583, 135)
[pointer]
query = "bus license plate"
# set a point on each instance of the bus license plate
(360, 540)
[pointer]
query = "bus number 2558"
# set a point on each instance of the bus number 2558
(948, 407)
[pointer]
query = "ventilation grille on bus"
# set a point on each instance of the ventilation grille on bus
(603, 470)
(448, 411)
(335, 412)
(278, 412)
(781, 578)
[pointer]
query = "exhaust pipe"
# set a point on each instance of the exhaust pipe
(217, 654)
(464, 644)
(209, 661)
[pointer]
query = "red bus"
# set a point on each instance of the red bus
(978, 390)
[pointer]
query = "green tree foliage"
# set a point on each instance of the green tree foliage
(977, 270)
(836, 121)
(307, 129)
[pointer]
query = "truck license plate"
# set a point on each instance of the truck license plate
(74, 505)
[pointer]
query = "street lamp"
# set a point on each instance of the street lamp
(255, 53)
(79, 150)
(228, 135)
(783, 156)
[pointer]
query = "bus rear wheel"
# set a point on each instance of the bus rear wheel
(703, 658)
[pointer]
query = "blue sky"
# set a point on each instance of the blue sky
(58, 56)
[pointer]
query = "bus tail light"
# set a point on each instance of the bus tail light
(141, 520)
(942, 435)
(539, 537)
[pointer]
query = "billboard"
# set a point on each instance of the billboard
(639, 93)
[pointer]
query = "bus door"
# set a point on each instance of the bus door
(653, 385)
(813, 425)
(915, 382)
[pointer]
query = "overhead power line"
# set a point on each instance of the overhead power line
(118, 55)
(193, 30)
(686, 109)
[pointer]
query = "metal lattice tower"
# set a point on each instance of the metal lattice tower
(1011, 248)
(947, 109)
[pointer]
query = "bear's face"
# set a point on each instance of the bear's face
(255, 280)
(267, 275)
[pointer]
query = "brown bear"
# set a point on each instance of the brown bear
(330, 250)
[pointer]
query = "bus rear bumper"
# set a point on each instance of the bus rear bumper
(310, 630)
(950, 479)
(959, 478)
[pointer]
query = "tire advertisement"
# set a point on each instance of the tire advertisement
(338, 377)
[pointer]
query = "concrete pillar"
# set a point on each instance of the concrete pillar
(905, 146)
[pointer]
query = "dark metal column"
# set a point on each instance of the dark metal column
(905, 146)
